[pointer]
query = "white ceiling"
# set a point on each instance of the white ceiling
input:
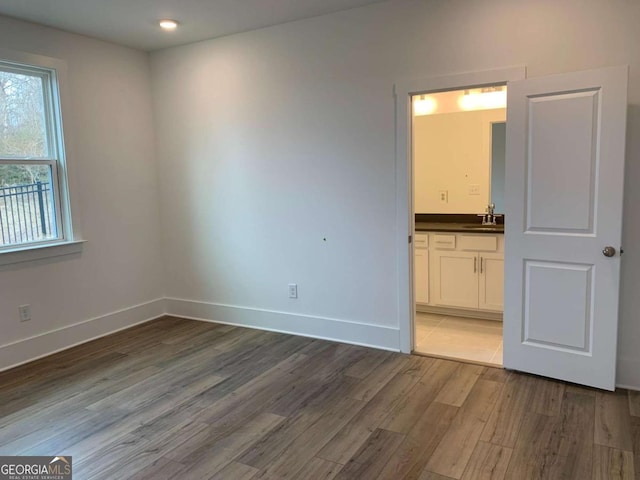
(135, 22)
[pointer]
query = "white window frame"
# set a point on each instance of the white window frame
(66, 209)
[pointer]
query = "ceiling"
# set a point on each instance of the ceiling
(135, 22)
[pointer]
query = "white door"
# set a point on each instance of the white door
(491, 281)
(564, 182)
(455, 279)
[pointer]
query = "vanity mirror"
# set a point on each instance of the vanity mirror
(459, 160)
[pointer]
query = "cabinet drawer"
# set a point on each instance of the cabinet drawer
(444, 242)
(421, 240)
(479, 243)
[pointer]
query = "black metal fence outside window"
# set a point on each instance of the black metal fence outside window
(26, 214)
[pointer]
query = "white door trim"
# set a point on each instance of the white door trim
(403, 91)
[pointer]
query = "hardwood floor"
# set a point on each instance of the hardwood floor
(183, 399)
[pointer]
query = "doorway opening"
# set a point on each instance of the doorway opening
(458, 152)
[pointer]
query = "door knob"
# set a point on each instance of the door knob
(609, 251)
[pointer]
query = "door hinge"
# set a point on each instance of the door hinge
(410, 238)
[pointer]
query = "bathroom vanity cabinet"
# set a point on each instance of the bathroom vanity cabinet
(459, 271)
(421, 268)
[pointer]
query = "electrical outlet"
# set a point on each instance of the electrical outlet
(25, 313)
(443, 195)
(474, 189)
(293, 290)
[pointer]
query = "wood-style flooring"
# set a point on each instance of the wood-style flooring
(179, 399)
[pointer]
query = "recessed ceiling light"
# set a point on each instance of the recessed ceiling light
(168, 24)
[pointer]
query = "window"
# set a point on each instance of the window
(33, 199)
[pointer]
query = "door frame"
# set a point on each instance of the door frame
(405, 215)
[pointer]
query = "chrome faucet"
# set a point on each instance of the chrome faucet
(489, 218)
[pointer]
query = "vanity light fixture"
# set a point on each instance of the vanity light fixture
(424, 105)
(483, 99)
(168, 25)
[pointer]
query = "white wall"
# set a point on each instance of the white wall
(270, 141)
(451, 153)
(111, 154)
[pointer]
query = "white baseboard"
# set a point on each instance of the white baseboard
(628, 374)
(628, 387)
(355, 333)
(29, 349)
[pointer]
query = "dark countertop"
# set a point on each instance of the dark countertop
(458, 227)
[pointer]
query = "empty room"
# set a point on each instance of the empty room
(319, 239)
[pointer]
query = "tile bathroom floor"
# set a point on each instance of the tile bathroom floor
(459, 338)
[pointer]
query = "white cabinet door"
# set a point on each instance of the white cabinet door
(421, 273)
(491, 282)
(564, 183)
(454, 281)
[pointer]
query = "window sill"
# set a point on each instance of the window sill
(39, 252)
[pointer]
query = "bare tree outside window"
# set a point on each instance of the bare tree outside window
(22, 114)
